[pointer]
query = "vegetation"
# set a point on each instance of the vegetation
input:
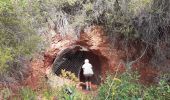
(27, 94)
(143, 21)
(125, 22)
(69, 75)
(127, 86)
(116, 87)
(18, 42)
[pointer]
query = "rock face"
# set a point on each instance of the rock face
(92, 40)
(92, 44)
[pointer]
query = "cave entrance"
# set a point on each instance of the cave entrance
(73, 59)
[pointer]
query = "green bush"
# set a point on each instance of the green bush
(17, 39)
(159, 92)
(48, 94)
(5, 93)
(122, 87)
(127, 87)
(28, 94)
(69, 75)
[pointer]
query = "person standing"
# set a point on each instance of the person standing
(88, 73)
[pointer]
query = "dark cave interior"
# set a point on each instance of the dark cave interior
(72, 60)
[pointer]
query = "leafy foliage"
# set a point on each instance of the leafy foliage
(5, 93)
(127, 86)
(5, 56)
(148, 22)
(69, 75)
(17, 41)
(27, 94)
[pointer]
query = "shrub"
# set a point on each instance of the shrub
(28, 94)
(127, 87)
(48, 94)
(18, 41)
(159, 92)
(5, 93)
(69, 75)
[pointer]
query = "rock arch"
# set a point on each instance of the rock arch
(72, 59)
(69, 54)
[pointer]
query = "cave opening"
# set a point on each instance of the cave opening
(73, 59)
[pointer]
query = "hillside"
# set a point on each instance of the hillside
(44, 44)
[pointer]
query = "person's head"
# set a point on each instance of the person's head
(86, 61)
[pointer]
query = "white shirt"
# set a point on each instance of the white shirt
(87, 68)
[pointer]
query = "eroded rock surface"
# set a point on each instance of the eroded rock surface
(91, 39)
